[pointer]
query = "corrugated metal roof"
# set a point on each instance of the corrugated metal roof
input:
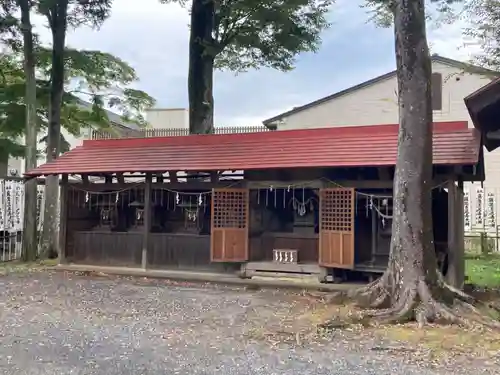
(374, 145)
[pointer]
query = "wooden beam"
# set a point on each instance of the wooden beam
(108, 179)
(283, 184)
(147, 221)
(172, 176)
(214, 177)
(63, 219)
(85, 178)
(159, 178)
(361, 184)
(456, 260)
(384, 173)
(120, 178)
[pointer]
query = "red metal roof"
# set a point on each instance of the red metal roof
(355, 146)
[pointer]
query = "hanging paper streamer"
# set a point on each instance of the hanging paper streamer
(467, 209)
(491, 210)
(11, 205)
(479, 209)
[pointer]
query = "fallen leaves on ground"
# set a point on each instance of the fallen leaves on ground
(300, 324)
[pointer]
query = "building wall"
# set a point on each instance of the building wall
(377, 104)
(74, 141)
(168, 118)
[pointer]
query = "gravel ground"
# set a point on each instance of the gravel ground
(55, 323)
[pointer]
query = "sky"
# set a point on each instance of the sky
(153, 39)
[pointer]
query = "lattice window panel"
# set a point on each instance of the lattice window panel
(337, 210)
(229, 208)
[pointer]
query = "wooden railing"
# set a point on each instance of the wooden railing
(147, 133)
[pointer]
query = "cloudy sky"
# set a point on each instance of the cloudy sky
(153, 38)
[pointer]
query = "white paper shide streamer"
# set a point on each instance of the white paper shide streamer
(491, 221)
(467, 209)
(479, 209)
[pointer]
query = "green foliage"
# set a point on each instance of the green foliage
(254, 33)
(483, 16)
(9, 24)
(99, 78)
(80, 12)
(380, 11)
(483, 270)
(103, 80)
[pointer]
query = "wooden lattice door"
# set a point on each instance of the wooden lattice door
(336, 232)
(229, 242)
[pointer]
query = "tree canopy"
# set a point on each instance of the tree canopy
(238, 35)
(95, 81)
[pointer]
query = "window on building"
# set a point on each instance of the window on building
(437, 91)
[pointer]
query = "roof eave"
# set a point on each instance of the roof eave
(478, 103)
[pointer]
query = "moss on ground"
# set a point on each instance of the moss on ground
(483, 270)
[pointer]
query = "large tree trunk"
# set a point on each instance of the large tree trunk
(4, 165)
(58, 25)
(201, 68)
(29, 249)
(412, 261)
(412, 287)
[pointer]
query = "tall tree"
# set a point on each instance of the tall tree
(238, 35)
(29, 250)
(100, 78)
(412, 287)
(57, 16)
(9, 37)
(94, 80)
(11, 72)
(59, 13)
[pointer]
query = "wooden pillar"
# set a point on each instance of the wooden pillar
(456, 259)
(147, 221)
(460, 236)
(63, 218)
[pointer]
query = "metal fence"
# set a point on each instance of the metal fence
(171, 132)
(482, 242)
(11, 216)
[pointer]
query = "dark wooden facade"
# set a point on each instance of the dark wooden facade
(325, 227)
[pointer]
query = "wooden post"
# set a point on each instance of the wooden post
(460, 253)
(63, 219)
(456, 266)
(147, 220)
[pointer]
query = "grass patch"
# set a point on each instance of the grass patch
(444, 340)
(483, 270)
(438, 340)
(18, 266)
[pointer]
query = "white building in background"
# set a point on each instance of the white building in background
(374, 102)
(168, 118)
(158, 118)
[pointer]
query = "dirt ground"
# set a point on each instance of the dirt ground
(62, 323)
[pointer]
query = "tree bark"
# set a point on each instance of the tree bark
(58, 24)
(412, 259)
(412, 288)
(4, 166)
(201, 68)
(29, 248)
